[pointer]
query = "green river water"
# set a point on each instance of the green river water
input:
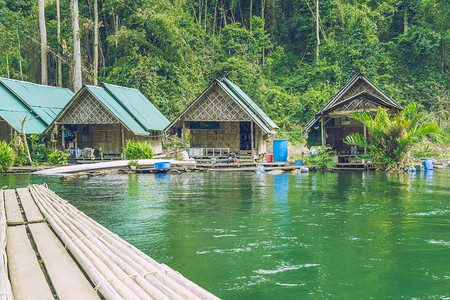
(252, 236)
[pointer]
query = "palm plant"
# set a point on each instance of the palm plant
(391, 137)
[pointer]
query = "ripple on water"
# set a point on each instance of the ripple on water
(284, 268)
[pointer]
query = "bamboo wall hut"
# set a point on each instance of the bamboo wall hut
(104, 117)
(333, 122)
(38, 104)
(223, 119)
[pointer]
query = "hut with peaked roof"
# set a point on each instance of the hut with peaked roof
(223, 119)
(104, 117)
(37, 104)
(333, 123)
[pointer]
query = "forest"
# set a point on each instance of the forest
(289, 56)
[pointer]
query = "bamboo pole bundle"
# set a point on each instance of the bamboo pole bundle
(132, 261)
(174, 280)
(5, 284)
(102, 284)
(172, 288)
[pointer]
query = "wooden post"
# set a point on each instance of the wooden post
(365, 137)
(122, 138)
(183, 135)
(63, 141)
(322, 130)
(252, 142)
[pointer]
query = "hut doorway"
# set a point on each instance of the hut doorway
(245, 133)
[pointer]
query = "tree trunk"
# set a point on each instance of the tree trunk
(77, 79)
(405, 18)
(20, 55)
(263, 6)
(317, 30)
(43, 32)
(7, 65)
(95, 42)
(58, 33)
(251, 13)
(206, 14)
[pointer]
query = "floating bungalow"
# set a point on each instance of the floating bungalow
(333, 122)
(33, 105)
(223, 120)
(101, 118)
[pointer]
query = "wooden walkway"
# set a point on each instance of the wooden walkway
(51, 250)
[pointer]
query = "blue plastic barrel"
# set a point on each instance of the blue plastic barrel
(162, 165)
(298, 163)
(428, 164)
(280, 150)
(259, 169)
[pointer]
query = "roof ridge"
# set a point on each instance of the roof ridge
(33, 83)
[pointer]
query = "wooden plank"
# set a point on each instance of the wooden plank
(13, 214)
(30, 208)
(67, 278)
(27, 279)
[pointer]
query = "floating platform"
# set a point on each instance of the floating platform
(51, 250)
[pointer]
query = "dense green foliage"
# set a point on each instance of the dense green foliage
(172, 49)
(138, 150)
(391, 137)
(7, 156)
(322, 159)
(57, 157)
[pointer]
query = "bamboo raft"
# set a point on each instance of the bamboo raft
(51, 250)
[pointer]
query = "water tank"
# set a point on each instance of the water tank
(280, 150)
(428, 164)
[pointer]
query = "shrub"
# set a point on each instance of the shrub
(7, 156)
(57, 157)
(138, 150)
(322, 159)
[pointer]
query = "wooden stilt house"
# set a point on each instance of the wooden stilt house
(222, 120)
(37, 104)
(104, 117)
(333, 122)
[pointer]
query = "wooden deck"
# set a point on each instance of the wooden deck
(51, 250)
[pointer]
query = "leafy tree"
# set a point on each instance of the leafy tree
(391, 137)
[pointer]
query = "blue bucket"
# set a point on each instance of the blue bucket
(162, 165)
(299, 163)
(280, 150)
(428, 164)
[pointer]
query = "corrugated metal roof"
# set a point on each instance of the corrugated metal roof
(117, 109)
(244, 101)
(45, 101)
(138, 106)
(14, 112)
(250, 104)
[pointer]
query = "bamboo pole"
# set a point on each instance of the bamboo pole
(131, 260)
(5, 284)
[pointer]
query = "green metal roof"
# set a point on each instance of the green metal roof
(144, 112)
(14, 111)
(45, 101)
(250, 106)
(117, 109)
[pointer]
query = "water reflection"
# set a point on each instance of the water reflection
(244, 236)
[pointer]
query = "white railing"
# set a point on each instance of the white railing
(207, 152)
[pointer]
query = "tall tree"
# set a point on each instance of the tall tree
(95, 42)
(77, 79)
(43, 32)
(317, 30)
(58, 33)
